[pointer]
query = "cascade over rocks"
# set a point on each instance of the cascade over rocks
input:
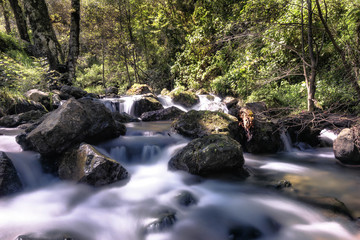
(146, 103)
(9, 180)
(139, 89)
(74, 122)
(22, 118)
(195, 124)
(346, 146)
(185, 98)
(170, 113)
(87, 165)
(210, 156)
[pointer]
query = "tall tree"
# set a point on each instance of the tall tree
(350, 66)
(20, 20)
(74, 43)
(6, 16)
(44, 36)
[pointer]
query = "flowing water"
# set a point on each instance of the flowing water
(189, 207)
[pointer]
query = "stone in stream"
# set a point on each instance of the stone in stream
(210, 156)
(195, 124)
(139, 89)
(74, 122)
(9, 180)
(185, 98)
(170, 113)
(21, 118)
(185, 199)
(146, 103)
(346, 146)
(164, 220)
(87, 165)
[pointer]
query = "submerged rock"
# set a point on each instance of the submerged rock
(346, 146)
(244, 233)
(74, 122)
(209, 156)
(87, 165)
(124, 117)
(22, 118)
(164, 220)
(9, 180)
(170, 113)
(185, 199)
(146, 103)
(195, 124)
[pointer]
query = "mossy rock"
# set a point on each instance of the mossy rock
(139, 89)
(195, 124)
(185, 98)
(210, 156)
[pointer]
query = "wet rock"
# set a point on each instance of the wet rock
(87, 165)
(210, 156)
(230, 102)
(21, 106)
(74, 122)
(50, 235)
(346, 146)
(139, 89)
(283, 184)
(184, 98)
(22, 118)
(186, 199)
(124, 117)
(262, 135)
(195, 124)
(9, 180)
(170, 113)
(71, 91)
(146, 103)
(164, 221)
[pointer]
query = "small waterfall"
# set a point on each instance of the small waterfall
(123, 104)
(119, 153)
(167, 102)
(327, 137)
(149, 152)
(285, 138)
(211, 103)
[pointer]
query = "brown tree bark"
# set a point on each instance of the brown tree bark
(348, 66)
(74, 41)
(44, 36)
(20, 20)
(6, 16)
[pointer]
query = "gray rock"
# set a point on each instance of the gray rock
(9, 180)
(139, 89)
(36, 95)
(21, 106)
(22, 118)
(70, 91)
(212, 155)
(146, 103)
(87, 165)
(170, 113)
(72, 123)
(346, 146)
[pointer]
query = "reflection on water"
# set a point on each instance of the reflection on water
(224, 210)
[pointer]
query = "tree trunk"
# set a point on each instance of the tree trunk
(6, 17)
(311, 84)
(44, 36)
(74, 42)
(20, 20)
(351, 69)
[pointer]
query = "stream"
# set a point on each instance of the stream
(193, 208)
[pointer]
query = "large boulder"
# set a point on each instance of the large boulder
(346, 146)
(22, 118)
(139, 89)
(195, 124)
(262, 134)
(87, 165)
(74, 122)
(170, 113)
(146, 103)
(210, 156)
(22, 105)
(9, 180)
(185, 98)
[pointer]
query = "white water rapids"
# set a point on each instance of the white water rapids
(225, 210)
